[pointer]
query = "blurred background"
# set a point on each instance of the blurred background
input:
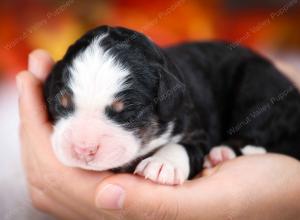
(271, 27)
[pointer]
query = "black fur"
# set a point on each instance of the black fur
(214, 94)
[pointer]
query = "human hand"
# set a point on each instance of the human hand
(261, 187)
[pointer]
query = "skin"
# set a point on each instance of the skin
(253, 187)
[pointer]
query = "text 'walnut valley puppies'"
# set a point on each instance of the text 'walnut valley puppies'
(120, 102)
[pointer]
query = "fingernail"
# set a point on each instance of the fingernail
(34, 65)
(19, 84)
(111, 197)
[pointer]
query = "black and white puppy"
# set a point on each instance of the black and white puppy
(120, 102)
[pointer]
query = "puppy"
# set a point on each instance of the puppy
(120, 102)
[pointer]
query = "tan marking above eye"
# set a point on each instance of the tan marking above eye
(117, 105)
(65, 100)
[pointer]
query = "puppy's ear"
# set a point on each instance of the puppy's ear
(170, 95)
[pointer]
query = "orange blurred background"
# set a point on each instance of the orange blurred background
(270, 26)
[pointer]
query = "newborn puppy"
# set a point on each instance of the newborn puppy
(120, 102)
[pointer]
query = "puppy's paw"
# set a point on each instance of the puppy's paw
(160, 170)
(218, 155)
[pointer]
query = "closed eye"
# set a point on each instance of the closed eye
(117, 106)
(64, 101)
(122, 111)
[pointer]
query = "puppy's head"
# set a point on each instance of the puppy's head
(112, 98)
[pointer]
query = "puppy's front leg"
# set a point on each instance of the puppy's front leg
(170, 165)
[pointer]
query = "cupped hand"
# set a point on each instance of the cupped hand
(256, 187)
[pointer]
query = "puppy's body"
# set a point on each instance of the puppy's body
(241, 95)
(169, 107)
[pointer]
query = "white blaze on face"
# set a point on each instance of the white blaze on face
(95, 78)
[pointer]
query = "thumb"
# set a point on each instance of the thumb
(136, 198)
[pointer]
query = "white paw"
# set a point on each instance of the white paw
(160, 170)
(253, 150)
(218, 155)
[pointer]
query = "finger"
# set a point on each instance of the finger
(40, 64)
(32, 107)
(45, 204)
(73, 188)
(77, 207)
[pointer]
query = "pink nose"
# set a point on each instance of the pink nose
(87, 153)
